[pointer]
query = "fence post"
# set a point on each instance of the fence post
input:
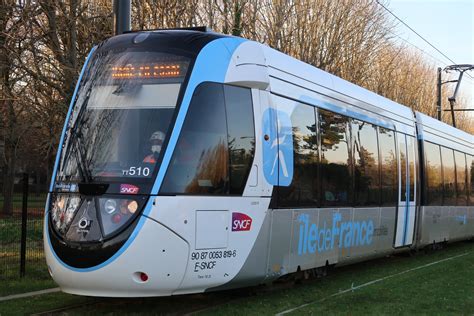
(24, 218)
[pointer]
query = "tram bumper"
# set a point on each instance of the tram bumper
(152, 265)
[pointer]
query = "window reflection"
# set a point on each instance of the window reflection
(402, 148)
(241, 139)
(433, 174)
(449, 176)
(411, 166)
(470, 178)
(200, 161)
(336, 178)
(460, 178)
(366, 164)
(303, 189)
(389, 169)
(115, 115)
(215, 150)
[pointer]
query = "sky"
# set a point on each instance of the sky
(449, 26)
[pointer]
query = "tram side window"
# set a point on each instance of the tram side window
(411, 143)
(460, 159)
(303, 188)
(449, 176)
(366, 164)
(433, 174)
(470, 169)
(335, 164)
(389, 169)
(241, 135)
(402, 149)
(470, 178)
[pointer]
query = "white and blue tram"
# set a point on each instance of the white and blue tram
(192, 161)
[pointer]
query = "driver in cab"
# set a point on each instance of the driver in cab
(156, 143)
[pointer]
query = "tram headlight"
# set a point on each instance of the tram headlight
(110, 206)
(115, 213)
(63, 208)
(132, 206)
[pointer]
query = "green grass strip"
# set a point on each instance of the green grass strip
(440, 282)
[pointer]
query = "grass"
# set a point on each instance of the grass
(443, 288)
(10, 230)
(447, 287)
(10, 245)
(35, 201)
(35, 268)
(41, 303)
(34, 280)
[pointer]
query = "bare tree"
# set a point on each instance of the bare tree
(13, 84)
(43, 45)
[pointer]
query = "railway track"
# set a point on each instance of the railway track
(196, 303)
(174, 305)
(60, 310)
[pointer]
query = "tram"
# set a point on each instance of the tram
(192, 161)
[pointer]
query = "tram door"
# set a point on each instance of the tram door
(405, 225)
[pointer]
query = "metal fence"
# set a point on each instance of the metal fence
(21, 241)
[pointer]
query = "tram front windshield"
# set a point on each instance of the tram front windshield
(121, 119)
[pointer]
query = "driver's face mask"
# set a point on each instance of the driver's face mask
(156, 148)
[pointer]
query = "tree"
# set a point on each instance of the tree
(43, 48)
(13, 21)
(43, 45)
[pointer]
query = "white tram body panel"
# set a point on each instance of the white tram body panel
(188, 244)
(445, 223)
(121, 277)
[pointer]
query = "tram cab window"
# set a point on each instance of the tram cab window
(449, 176)
(366, 164)
(460, 159)
(303, 188)
(240, 131)
(388, 161)
(214, 152)
(121, 116)
(335, 163)
(433, 174)
(200, 161)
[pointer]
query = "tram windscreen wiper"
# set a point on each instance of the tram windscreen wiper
(74, 146)
(72, 142)
(81, 158)
(86, 187)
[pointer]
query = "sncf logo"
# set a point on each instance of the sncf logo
(241, 222)
(128, 189)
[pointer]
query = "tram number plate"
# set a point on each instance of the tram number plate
(207, 260)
